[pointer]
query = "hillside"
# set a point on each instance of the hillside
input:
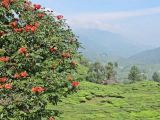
(104, 42)
(136, 101)
(147, 57)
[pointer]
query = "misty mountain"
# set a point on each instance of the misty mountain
(95, 40)
(147, 57)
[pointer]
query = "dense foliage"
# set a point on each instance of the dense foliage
(98, 73)
(36, 53)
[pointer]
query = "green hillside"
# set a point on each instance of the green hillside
(138, 101)
(148, 61)
(147, 57)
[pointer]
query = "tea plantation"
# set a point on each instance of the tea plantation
(138, 101)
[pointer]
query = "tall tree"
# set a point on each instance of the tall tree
(109, 71)
(116, 64)
(96, 70)
(134, 74)
(156, 77)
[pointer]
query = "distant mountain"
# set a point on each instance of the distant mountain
(95, 40)
(147, 57)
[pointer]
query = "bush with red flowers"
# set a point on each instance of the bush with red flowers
(36, 49)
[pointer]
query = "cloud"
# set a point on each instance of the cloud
(113, 15)
(104, 20)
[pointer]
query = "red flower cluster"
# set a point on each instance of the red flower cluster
(69, 78)
(31, 27)
(40, 15)
(71, 39)
(24, 74)
(3, 59)
(65, 55)
(73, 63)
(51, 119)
(37, 89)
(16, 75)
(5, 3)
(2, 33)
(28, 3)
(75, 83)
(13, 23)
(8, 86)
(3, 79)
(59, 16)
(37, 6)
(53, 67)
(53, 49)
(18, 29)
(22, 50)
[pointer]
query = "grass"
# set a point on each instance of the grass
(139, 101)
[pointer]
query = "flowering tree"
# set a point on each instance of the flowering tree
(36, 67)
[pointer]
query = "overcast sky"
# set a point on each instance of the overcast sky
(138, 20)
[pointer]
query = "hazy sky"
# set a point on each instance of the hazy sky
(138, 20)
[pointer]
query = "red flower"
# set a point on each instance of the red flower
(33, 29)
(24, 74)
(37, 6)
(38, 89)
(71, 39)
(8, 86)
(20, 30)
(16, 75)
(67, 55)
(33, 90)
(36, 25)
(51, 119)
(31, 25)
(69, 78)
(75, 83)
(39, 15)
(73, 63)
(22, 50)
(63, 55)
(12, 0)
(2, 59)
(5, 3)
(3, 79)
(51, 49)
(59, 16)
(6, 59)
(15, 29)
(42, 15)
(53, 67)
(10, 24)
(2, 33)
(27, 28)
(59, 62)
(14, 23)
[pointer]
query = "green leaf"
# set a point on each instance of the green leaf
(2, 52)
